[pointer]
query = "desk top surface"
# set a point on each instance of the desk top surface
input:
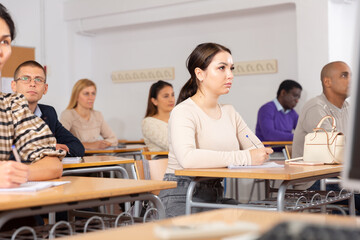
(281, 143)
(264, 219)
(127, 148)
(288, 172)
(124, 141)
(80, 188)
(96, 161)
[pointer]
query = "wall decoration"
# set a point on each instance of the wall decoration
(142, 75)
(255, 67)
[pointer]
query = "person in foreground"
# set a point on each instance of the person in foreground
(277, 119)
(204, 133)
(19, 127)
(30, 80)
(87, 124)
(154, 126)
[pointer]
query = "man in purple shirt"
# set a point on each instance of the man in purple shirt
(277, 119)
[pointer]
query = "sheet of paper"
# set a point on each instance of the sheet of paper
(34, 186)
(265, 165)
(68, 160)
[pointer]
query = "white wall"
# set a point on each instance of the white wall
(302, 34)
(250, 34)
(50, 39)
(342, 30)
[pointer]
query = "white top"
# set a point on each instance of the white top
(155, 134)
(88, 130)
(313, 111)
(199, 141)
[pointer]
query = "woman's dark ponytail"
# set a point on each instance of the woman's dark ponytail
(200, 57)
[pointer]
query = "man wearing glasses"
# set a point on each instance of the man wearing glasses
(30, 80)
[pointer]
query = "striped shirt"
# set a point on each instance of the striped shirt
(20, 127)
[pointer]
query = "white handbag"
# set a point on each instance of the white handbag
(325, 147)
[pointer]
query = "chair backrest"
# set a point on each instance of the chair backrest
(139, 168)
(288, 149)
(157, 169)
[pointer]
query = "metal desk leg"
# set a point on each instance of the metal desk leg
(267, 188)
(158, 204)
(323, 188)
(190, 192)
(236, 183)
(281, 195)
(189, 196)
(52, 217)
(351, 200)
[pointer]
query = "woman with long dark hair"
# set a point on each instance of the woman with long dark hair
(154, 126)
(204, 133)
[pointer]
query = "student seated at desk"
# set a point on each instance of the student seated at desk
(277, 119)
(335, 79)
(87, 124)
(30, 80)
(20, 127)
(204, 133)
(154, 126)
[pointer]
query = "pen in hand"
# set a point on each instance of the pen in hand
(16, 154)
(251, 141)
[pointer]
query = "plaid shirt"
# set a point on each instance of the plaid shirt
(20, 127)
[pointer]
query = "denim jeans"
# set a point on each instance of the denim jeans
(174, 200)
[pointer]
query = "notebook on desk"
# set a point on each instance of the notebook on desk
(265, 165)
(69, 160)
(33, 186)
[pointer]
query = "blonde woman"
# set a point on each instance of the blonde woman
(87, 124)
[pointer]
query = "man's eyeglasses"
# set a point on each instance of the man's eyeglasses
(27, 80)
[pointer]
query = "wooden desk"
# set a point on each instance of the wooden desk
(134, 150)
(82, 192)
(123, 141)
(92, 164)
(96, 161)
(264, 219)
(277, 143)
(290, 174)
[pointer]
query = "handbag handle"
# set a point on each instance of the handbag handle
(333, 127)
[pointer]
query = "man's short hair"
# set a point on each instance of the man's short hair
(287, 85)
(31, 63)
(326, 70)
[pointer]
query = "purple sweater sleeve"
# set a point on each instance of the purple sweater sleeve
(270, 128)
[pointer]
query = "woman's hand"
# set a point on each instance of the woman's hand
(12, 174)
(62, 147)
(101, 144)
(260, 155)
